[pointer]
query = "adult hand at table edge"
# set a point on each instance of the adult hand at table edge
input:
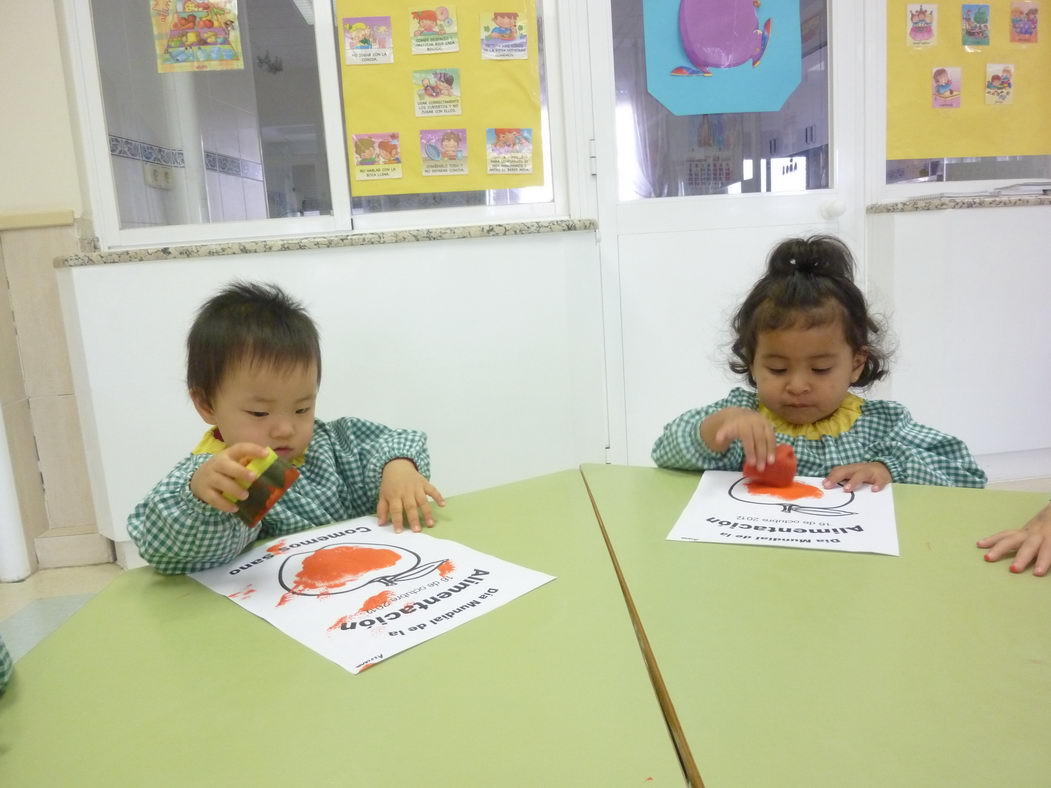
(1031, 542)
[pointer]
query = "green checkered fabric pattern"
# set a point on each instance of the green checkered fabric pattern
(5, 666)
(177, 532)
(884, 432)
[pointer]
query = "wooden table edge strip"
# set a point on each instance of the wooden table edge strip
(686, 761)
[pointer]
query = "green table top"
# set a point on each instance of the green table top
(792, 667)
(158, 681)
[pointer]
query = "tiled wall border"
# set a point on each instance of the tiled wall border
(173, 157)
(145, 151)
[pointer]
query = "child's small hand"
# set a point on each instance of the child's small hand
(756, 434)
(221, 473)
(1030, 542)
(403, 492)
(856, 474)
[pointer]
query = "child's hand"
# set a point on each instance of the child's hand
(404, 491)
(756, 434)
(1028, 543)
(221, 473)
(856, 474)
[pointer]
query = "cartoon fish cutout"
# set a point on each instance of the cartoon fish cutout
(721, 34)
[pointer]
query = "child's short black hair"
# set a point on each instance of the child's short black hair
(245, 321)
(808, 282)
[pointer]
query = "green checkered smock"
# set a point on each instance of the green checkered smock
(884, 432)
(5, 666)
(177, 532)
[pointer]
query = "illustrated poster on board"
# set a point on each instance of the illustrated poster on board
(921, 25)
(444, 151)
(999, 83)
(504, 36)
(728, 508)
(975, 19)
(946, 87)
(509, 151)
(367, 40)
(1024, 21)
(437, 92)
(376, 156)
(196, 36)
(434, 30)
(357, 593)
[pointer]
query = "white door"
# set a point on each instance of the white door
(689, 206)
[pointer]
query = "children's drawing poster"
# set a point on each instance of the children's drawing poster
(984, 119)
(504, 36)
(196, 36)
(946, 86)
(999, 83)
(377, 156)
(434, 30)
(1024, 18)
(728, 508)
(443, 151)
(509, 150)
(357, 594)
(921, 25)
(429, 86)
(975, 24)
(437, 92)
(367, 39)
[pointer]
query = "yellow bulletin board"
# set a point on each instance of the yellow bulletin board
(440, 98)
(988, 121)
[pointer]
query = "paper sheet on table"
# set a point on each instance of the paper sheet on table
(357, 593)
(728, 508)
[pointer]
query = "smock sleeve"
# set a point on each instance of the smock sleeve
(680, 446)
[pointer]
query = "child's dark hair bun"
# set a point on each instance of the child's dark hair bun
(818, 255)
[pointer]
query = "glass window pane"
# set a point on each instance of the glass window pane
(529, 195)
(664, 155)
(213, 146)
(969, 169)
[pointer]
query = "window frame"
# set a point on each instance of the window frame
(564, 114)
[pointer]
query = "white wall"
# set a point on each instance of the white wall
(36, 140)
(968, 298)
(492, 346)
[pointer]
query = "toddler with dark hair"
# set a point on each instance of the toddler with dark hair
(253, 369)
(802, 338)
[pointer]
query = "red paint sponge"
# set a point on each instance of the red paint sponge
(780, 473)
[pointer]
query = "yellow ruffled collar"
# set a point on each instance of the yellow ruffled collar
(834, 424)
(212, 444)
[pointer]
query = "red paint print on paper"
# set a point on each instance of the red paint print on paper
(446, 567)
(275, 549)
(243, 594)
(333, 567)
(792, 492)
(377, 600)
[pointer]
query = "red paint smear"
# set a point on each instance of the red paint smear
(446, 567)
(377, 600)
(276, 548)
(366, 667)
(332, 567)
(244, 594)
(792, 492)
(339, 623)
